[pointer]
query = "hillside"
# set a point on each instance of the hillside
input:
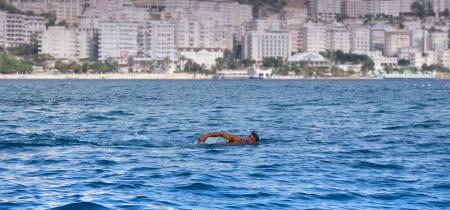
(270, 7)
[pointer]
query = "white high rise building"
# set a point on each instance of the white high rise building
(211, 32)
(117, 40)
(339, 39)
(17, 29)
(230, 13)
(157, 40)
(438, 41)
(419, 39)
(360, 40)
(63, 43)
(263, 43)
(395, 41)
(35, 6)
(354, 8)
(314, 37)
(377, 36)
(68, 10)
(406, 6)
(384, 7)
(324, 9)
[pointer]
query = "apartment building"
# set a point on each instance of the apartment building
(438, 41)
(383, 7)
(117, 40)
(354, 8)
(18, 29)
(395, 41)
(325, 10)
(314, 37)
(264, 41)
(64, 43)
(360, 40)
(156, 40)
(339, 39)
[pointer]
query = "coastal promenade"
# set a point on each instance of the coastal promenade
(168, 76)
(108, 76)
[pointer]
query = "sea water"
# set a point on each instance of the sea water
(131, 144)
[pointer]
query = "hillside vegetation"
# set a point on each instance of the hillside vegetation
(267, 7)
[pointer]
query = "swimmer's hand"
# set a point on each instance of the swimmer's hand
(202, 139)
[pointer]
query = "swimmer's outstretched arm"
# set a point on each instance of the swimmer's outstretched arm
(231, 138)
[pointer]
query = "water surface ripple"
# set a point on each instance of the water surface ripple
(130, 145)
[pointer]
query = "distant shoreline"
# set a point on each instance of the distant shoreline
(155, 76)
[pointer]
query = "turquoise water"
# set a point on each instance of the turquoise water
(131, 145)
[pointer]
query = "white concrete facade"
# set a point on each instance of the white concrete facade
(258, 45)
(395, 41)
(354, 8)
(339, 39)
(314, 37)
(63, 43)
(17, 29)
(324, 9)
(157, 40)
(360, 40)
(117, 40)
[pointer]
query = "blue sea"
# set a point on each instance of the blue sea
(131, 145)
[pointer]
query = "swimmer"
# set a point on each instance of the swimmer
(232, 139)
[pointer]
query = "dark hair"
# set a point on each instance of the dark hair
(253, 133)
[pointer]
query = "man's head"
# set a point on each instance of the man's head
(253, 137)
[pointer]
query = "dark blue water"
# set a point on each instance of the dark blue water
(131, 145)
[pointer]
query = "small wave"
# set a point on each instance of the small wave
(37, 139)
(390, 196)
(370, 165)
(249, 195)
(99, 184)
(98, 118)
(339, 196)
(144, 169)
(197, 186)
(442, 186)
(105, 162)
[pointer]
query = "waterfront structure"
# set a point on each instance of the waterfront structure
(204, 57)
(64, 43)
(325, 10)
(360, 40)
(156, 40)
(314, 37)
(117, 40)
(395, 41)
(419, 59)
(311, 58)
(339, 39)
(20, 29)
(380, 61)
